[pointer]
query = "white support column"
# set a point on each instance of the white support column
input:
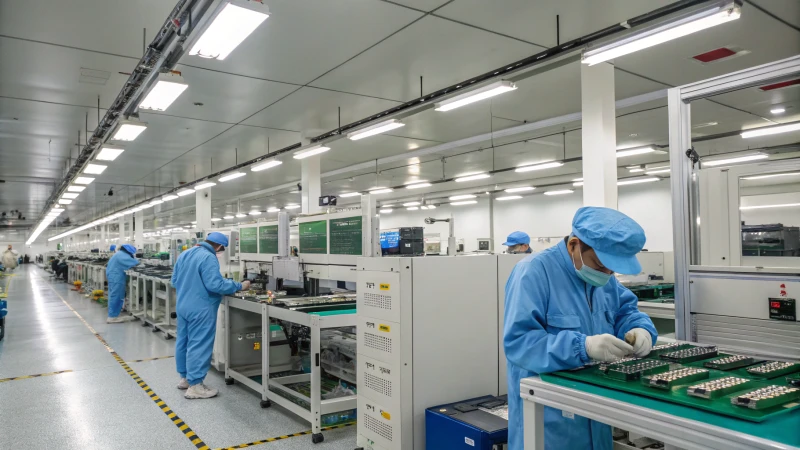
(203, 209)
(311, 183)
(599, 136)
(121, 231)
(103, 243)
(138, 236)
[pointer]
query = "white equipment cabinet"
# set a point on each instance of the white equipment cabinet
(427, 335)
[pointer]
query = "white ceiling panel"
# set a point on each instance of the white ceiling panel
(760, 103)
(442, 52)
(423, 5)
(788, 10)
(535, 21)
(302, 40)
(317, 110)
(109, 26)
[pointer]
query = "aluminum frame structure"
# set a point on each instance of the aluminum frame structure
(684, 176)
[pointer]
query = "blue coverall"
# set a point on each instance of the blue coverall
(200, 287)
(549, 311)
(115, 274)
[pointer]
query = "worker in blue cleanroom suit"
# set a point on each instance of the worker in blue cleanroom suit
(564, 308)
(113, 248)
(518, 242)
(200, 287)
(115, 274)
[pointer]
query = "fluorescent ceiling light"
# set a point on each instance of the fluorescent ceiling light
(766, 131)
(215, 219)
(128, 130)
(311, 151)
(635, 151)
(228, 29)
(466, 202)
(638, 169)
(273, 210)
(169, 197)
(490, 90)
(532, 167)
(509, 197)
(412, 208)
(785, 205)
(76, 188)
(184, 192)
(777, 110)
(69, 195)
(577, 184)
(636, 181)
(411, 204)
(165, 91)
(155, 202)
(385, 211)
(255, 213)
(228, 217)
(519, 189)
(559, 192)
(291, 206)
(772, 175)
(375, 129)
(461, 197)
(240, 215)
(231, 176)
(477, 176)
(64, 201)
(658, 34)
(108, 153)
(655, 172)
(381, 191)
(350, 194)
(418, 185)
(57, 210)
(194, 222)
(431, 206)
(266, 165)
(722, 162)
(94, 169)
(578, 179)
(128, 211)
(205, 185)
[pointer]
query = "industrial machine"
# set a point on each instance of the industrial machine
(770, 240)
(408, 349)
(479, 423)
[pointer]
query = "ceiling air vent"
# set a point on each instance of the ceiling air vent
(781, 85)
(720, 54)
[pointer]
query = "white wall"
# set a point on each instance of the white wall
(543, 216)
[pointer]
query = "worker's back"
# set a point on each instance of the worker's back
(197, 280)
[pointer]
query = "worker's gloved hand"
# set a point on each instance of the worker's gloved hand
(641, 340)
(605, 347)
(246, 286)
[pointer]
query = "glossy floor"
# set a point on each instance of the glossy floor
(96, 404)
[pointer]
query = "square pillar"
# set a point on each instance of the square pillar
(311, 183)
(203, 209)
(599, 135)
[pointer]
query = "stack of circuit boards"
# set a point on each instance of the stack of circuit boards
(702, 377)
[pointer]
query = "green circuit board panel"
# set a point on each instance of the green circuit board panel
(774, 369)
(730, 362)
(711, 389)
(767, 397)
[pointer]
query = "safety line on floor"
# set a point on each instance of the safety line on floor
(187, 431)
(287, 436)
(25, 377)
(151, 359)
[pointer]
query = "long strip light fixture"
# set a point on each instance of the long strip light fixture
(472, 177)
(266, 165)
(635, 151)
(766, 131)
(482, 93)
(721, 12)
(541, 166)
(165, 91)
(350, 194)
(519, 189)
(375, 129)
(783, 205)
(230, 25)
(311, 151)
(738, 159)
(231, 176)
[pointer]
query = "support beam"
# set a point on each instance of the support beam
(599, 136)
(203, 209)
(138, 236)
(121, 239)
(311, 183)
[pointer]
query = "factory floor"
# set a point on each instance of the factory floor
(68, 380)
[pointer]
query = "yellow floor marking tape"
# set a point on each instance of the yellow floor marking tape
(187, 431)
(25, 377)
(280, 438)
(150, 359)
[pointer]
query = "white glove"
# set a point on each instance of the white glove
(641, 340)
(605, 347)
(246, 287)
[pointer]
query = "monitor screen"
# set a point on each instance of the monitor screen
(390, 242)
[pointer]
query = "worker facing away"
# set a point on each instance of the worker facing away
(518, 242)
(115, 274)
(10, 259)
(564, 308)
(200, 287)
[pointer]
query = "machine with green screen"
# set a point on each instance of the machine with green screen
(248, 240)
(346, 236)
(314, 237)
(268, 239)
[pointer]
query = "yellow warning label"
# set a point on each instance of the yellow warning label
(384, 328)
(386, 415)
(384, 286)
(256, 345)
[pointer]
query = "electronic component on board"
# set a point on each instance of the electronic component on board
(666, 380)
(635, 370)
(690, 354)
(718, 387)
(730, 362)
(767, 397)
(772, 369)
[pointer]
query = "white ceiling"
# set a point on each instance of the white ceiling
(315, 63)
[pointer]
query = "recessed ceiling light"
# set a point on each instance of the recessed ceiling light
(229, 28)
(165, 91)
(108, 153)
(777, 110)
(69, 195)
(76, 188)
(94, 169)
(128, 130)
